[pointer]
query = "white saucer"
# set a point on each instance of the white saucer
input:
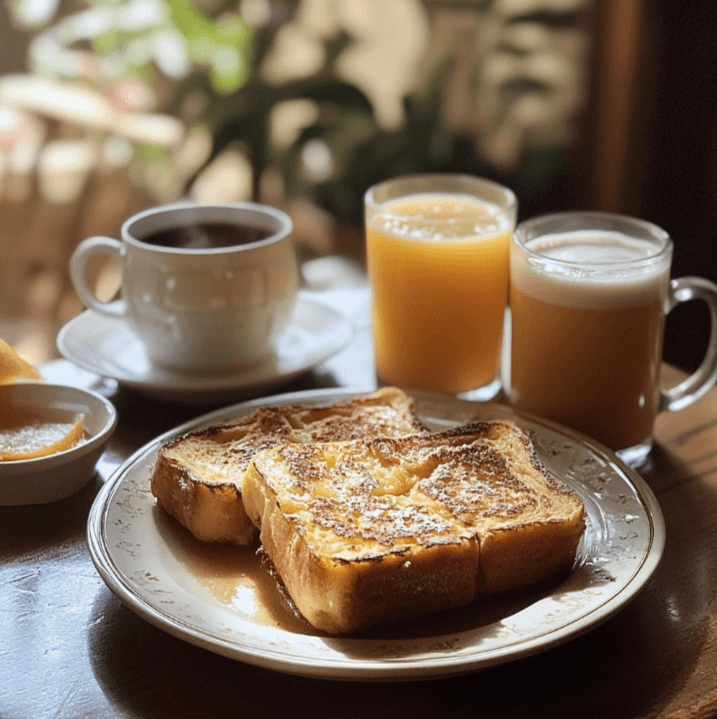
(108, 347)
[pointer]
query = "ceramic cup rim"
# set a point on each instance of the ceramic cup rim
(254, 214)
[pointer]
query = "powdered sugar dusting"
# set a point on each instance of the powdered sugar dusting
(367, 499)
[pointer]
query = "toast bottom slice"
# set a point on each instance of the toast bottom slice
(197, 477)
(363, 533)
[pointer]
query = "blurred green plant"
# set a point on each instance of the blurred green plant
(244, 116)
(205, 61)
(336, 157)
(102, 40)
(185, 50)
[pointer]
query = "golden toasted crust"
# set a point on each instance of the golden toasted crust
(197, 477)
(366, 532)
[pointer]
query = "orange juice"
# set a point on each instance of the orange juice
(586, 348)
(438, 266)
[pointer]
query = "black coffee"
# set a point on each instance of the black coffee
(206, 235)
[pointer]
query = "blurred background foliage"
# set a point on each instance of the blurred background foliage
(314, 130)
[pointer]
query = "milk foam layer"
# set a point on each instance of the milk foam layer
(591, 269)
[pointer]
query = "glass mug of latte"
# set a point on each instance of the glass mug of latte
(437, 255)
(206, 288)
(588, 300)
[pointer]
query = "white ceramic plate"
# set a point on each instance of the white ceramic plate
(216, 597)
(56, 476)
(108, 347)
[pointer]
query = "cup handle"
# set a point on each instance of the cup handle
(697, 384)
(78, 270)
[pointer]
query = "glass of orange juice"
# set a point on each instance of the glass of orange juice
(588, 297)
(438, 263)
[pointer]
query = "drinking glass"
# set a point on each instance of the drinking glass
(437, 255)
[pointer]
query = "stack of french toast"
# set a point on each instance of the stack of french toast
(366, 516)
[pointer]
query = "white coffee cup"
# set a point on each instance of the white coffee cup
(214, 305)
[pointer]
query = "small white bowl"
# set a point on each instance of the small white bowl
(56, 476)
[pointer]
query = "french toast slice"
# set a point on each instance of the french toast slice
(363, 533)
(197, 477)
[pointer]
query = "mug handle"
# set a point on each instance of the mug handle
(697, 384)
(78, 270)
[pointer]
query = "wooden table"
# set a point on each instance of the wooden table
(69, 648)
